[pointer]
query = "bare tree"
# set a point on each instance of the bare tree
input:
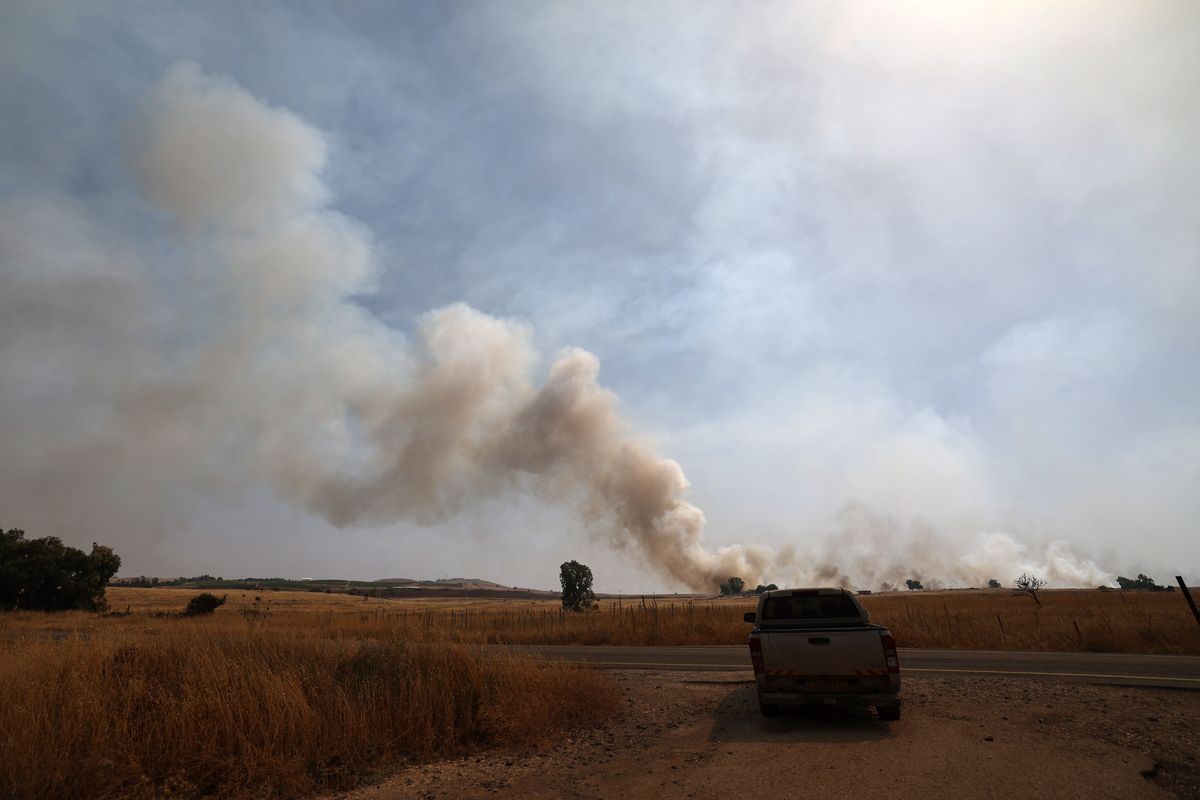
(1030, 585)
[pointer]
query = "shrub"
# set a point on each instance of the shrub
(914, 585)
(203, 603)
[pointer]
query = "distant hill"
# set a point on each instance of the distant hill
(384, 587)
(442, 587)
(444, 583)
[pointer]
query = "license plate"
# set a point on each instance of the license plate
(827, 686)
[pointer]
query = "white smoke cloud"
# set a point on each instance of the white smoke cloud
(868, 549)
(126, 395)
(294, 383)
(209, 152)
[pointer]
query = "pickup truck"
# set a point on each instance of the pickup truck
(819, 646)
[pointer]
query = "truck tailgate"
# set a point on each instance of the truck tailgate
(823, 654)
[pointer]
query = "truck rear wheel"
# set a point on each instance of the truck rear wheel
(889, 713)
(768, 709)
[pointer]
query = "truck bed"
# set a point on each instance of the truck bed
(843, 660)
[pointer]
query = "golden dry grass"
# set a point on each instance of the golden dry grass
(1067, 620)
(227, 709)
(281, 693)
(137, 600)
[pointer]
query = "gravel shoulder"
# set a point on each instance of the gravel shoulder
(699, 735)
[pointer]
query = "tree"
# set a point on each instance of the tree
(1030, 585)
(734, 585)
(993, 583)
(770, 587)
(204, 603)
(576, 580)
(46, 575)
(914, 585)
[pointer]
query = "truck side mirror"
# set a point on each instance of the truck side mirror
(749, 616)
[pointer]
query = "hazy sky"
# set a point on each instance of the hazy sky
(903, 287)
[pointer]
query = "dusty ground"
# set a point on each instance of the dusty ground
(699, 735)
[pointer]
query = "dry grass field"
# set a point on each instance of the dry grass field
(1067, 620)
(281, 693)
(223, 707)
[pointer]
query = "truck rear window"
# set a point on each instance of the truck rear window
(830, 606)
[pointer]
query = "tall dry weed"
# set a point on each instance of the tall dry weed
(190, 712)
(1066, 620)
(1129, 622)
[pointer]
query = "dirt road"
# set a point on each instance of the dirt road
(699, 735)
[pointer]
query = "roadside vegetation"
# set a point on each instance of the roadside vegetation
(193, 707)
(1068, 620)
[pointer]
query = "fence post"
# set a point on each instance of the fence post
(1188, 596)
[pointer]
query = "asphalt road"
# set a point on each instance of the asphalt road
(1172, 672)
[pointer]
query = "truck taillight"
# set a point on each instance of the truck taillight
(889, 653)
(756, 656)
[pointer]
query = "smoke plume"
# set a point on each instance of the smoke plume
(273, 372)
(242, 358)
